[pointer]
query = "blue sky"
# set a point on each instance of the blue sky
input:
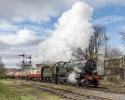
(115, 26)
(39, 17)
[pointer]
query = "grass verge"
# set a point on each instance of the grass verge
(12, 90)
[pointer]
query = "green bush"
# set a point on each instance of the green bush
(7, 77)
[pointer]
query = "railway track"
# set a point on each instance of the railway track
(103, 89)
(67, 94)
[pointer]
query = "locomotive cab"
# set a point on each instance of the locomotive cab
(91, 76)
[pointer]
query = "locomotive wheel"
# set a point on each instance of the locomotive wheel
(96, 83)
(86, 83)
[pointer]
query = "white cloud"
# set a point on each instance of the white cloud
(109, 19)
(22, 37)
(33, 10)
(10, 55)
(7, 27)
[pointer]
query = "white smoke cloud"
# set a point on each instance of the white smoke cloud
(73, 30)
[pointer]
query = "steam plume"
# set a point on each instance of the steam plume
(72, 77)
(73, 30)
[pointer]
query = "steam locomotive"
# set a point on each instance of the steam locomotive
(82, 73)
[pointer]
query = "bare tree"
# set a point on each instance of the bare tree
(113, 52)
(97, 41)
(79, 54)
(114, 64)
(123, 36)
(2, 68)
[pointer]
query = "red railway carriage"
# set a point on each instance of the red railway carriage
(29, 74)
